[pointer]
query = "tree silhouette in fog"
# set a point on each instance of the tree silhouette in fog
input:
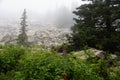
(22, 37)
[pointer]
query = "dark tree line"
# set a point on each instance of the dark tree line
(97, 25)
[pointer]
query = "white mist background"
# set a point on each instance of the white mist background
(56, 12)
(42, 15)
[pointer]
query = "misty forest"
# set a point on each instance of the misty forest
(60, 40)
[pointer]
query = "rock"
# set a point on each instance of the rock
(8, 39)
(113, 56)
(100, 54)
(84, 54)
(81, 54)
(46, 37)
(49, 37)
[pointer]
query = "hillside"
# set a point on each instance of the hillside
(41, 35)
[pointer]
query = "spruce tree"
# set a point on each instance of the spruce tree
(97, 25)
(22, 37)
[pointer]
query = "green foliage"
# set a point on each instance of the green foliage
(62, 48)
(97, 25)
(115, 74)
(20, 63)
(45, 65)
(9, 57)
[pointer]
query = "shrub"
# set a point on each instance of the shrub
(17, 63)
(9, 57)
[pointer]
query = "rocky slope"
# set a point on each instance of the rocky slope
(41, 35)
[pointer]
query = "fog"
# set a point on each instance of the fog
(47, 20)
(52, 12)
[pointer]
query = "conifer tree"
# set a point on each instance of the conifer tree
(97, 25)
(22, 37)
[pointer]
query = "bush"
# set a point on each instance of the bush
(38, 64)
(9, 58)
(45, 65)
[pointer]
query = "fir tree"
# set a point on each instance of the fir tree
(97, 25)
(22, 37)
